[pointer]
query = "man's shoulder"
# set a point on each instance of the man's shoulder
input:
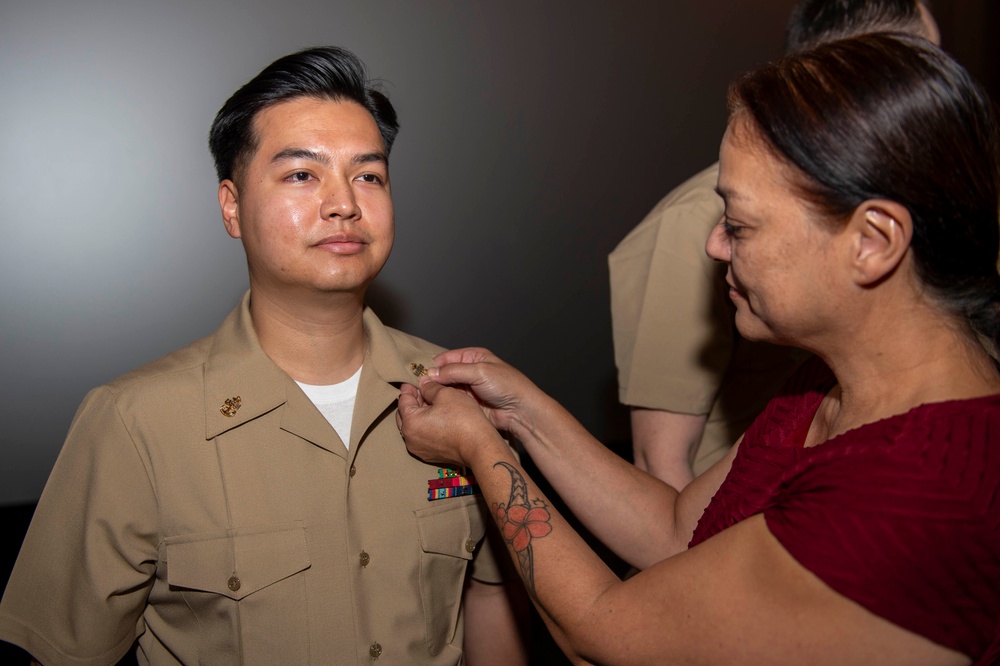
(232, 344)
(410, 344)
(166, 372)
(396, 355)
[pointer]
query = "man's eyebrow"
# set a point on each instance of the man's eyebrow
(300, 154)
(324, 159)
(374, 156)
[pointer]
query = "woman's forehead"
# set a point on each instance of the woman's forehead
(745, 154)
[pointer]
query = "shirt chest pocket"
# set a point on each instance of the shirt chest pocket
(449, 536)
(247, 591)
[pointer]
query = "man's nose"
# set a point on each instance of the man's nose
(340, 201)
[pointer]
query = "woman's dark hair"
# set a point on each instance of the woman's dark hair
(893, 117)
(815, 21)
(327, 72)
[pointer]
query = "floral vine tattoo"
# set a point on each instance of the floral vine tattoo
(520, 521)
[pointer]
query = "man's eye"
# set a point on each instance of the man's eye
(300, 176)
(370, 178)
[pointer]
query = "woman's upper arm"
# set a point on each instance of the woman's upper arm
(695, 497)
(739, 597)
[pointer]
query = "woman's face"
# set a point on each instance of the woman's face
(782, 271)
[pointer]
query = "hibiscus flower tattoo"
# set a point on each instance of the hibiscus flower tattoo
(520, 521)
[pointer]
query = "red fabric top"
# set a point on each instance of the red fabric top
(902, 515)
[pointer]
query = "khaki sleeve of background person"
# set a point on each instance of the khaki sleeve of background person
(672, 339)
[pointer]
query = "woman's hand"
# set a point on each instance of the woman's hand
(506, 395)
(441, 424)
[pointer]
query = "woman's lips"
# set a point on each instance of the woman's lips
(734, 293)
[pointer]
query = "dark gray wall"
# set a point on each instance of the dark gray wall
(534, 136)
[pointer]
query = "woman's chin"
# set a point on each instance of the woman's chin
(750, 326)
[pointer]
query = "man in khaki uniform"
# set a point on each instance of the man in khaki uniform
(694, 385)
(248, 499)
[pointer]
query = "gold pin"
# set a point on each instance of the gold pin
(231, 406)
(418, 369)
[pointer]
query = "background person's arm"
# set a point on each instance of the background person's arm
(664, 443)
(495, 619)
(672, 327)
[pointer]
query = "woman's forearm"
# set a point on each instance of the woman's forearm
(562, 575)
(598, 486)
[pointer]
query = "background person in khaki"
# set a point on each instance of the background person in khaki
(693, 383)
(248, 499)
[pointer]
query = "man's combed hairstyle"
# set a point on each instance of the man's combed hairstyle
(892, 117)
(327, 72)
(815, 21)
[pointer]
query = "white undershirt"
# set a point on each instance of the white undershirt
(336, 403)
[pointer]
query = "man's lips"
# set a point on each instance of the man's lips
(342, 243)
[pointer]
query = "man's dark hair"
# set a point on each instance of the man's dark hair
(816, 21)
(327, 72)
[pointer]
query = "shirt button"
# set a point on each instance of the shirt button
(354, 470)
(470, 546)
(375, 650)
(364, 558)
(234, 583)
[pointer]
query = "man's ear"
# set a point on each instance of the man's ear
(882, 230)
(229, 204)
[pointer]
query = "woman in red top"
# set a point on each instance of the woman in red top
(858, 519)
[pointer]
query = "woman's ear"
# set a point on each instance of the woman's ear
(882, 231)
(229, 204)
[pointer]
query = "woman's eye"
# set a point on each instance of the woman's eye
(727, 226)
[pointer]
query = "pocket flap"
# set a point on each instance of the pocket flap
(236, 563)
(453, 529)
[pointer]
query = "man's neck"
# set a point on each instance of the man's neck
(315, 339)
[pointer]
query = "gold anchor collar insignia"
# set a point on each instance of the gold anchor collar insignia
(418, 369)
(231, 406)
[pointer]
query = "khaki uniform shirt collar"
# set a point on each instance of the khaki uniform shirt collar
(237, 368)
(385, 368)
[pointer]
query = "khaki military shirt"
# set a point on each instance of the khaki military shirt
(202, 504)
(676, 346)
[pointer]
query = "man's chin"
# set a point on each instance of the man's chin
(349, 282)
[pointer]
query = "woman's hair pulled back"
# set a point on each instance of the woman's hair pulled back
(893, 117)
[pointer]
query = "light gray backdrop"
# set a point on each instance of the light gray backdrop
(534, 136)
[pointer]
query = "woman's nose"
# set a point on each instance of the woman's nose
(717, 245)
